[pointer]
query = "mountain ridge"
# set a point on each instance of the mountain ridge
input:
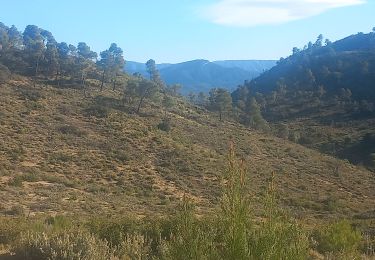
(201, 75)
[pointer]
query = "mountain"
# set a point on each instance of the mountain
(258, 66)
(345, 64)
(323, 97)
(202, 75)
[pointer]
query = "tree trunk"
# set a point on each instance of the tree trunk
(102, 82)
(140, 103)
(114, 84)
(36, 71)
(36, 67)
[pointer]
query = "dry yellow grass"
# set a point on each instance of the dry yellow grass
(55, 158)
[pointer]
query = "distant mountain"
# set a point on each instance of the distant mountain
(258, 66)
(202, 75)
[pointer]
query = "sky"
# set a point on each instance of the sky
(171, 31)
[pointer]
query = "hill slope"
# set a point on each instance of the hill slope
(325, 96)
(60, 153)
(346, 64)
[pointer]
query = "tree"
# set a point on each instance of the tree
(15, 38)
(118, 62)
(146, 89)
(130, 90)
(111, 63)
(63, 53)
(85, 60)
(253, 116)
(175, 89)
(295, 50)
(192, 97)
(327, 42)
(168, 102)
(4, 38)
(319, 41)
(220, 101)
(151, 69)
(153, 72)
(202, 99)
(52, 59)
(34, 45)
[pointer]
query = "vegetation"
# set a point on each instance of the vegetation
(233, 234)
(322, 94)
(74, 148)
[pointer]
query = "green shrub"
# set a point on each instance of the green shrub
(10, 229)
(69, 245)
(189, 238)
(278, 237)
(235, 211)
(30, 94)
(134, 247)
(58, 222)
(112, 230)
(338, 237)
(70, 130)
(97, 111)
(165, 125)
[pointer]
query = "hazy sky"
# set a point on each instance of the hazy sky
(180, 30)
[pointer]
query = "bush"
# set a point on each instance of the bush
(190, 239)
(338, 237)
(69, 245)
(134, 247)
(70, 130)
(165, 125)
(97, 111)
(30, 94)
(278, 237)
(10, 229)
(4, 73)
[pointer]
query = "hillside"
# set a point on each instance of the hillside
(323, 97)
(63, 153)
(202, 75)
(345, 64)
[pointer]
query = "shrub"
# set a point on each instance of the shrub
(235, 221)
(338, 237)
(4, 73)
(97, 111)
(10, 229)
(278, 237)
(69, 245)
(189, 239)
(70, 130)
(134, 247)
(30, 94)
(165, 125)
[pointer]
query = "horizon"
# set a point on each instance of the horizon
(213, 30)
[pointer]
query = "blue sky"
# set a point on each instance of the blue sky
(180, 30)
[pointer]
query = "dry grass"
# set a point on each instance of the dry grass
(55, 157)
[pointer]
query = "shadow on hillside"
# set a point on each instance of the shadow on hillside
(9, 256)
(113, 103)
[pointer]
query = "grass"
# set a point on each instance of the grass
(71, 162)
(233, 232)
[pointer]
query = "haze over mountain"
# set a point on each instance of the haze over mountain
(202, 75)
